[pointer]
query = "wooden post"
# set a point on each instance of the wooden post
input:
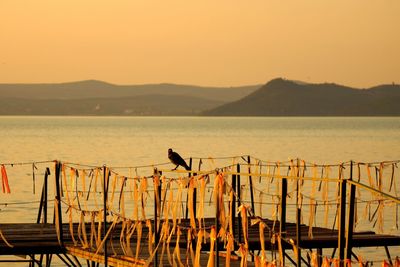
(157, 192)
(43, 198)
(40, 206)
(105, 195)
(43, 208)
(282, 225)
(342, 221)
(233, 206)
(58, 202)
(298, 217)
(239, 218)
(194, 243)
(389, 258)
(319, 256)
(217, 227)
(350, 224)
(298, 236)
(194, 193)
(251, 186)
(46, 178)
(253, 210)
(283, 206)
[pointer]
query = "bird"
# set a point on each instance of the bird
(176, 159)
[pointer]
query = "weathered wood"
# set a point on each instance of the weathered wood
(194, 192)
(233, 206)
(342, 221)
(282, 223)
(32, 238)
(350, 224)
(298, 237)
(43, 198)
(298, 217)
(388, 256)
(238, 190)
(251, 186)
(58, 201)
(105, 195)
(216, 227)
(157, 221)
(126, 261)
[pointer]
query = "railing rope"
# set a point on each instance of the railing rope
(360, 185)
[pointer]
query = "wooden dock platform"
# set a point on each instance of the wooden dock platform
(29, 238)
(90, 221)
(41, 239)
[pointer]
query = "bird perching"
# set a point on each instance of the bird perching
(176, 159)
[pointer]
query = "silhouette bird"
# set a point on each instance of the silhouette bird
(176, 159)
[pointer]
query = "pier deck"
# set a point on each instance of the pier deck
(34, 239)
(102, 217)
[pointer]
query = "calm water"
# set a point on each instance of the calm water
(133, 141)
(145, 140)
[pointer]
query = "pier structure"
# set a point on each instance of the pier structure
(249, 212)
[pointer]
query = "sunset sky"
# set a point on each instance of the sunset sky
(207, 42)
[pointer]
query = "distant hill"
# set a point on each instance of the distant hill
(99, 98)
(99, 89)
(281, 97)
(146, 105)
(278, 97)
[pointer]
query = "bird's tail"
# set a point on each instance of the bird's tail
(187, 167)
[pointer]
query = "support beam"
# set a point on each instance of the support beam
(319, 256)
(58, 202)
(105, 195)
(350, 224)
(298, 236)
(282, 223)
(251, 187)
(157, 200)
(238, 191)
(388, 255)
(217, 227)
(65, 261)
(342, 222)
(233, 206)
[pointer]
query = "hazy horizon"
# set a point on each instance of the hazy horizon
(195, 85)
(208, 43)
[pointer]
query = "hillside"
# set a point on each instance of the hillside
(281, 97)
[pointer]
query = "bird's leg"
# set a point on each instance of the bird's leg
(175, 168)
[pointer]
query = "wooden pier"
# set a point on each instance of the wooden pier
(91, 226)
(41, 239)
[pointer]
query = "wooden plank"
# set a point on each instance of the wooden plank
(126, 261)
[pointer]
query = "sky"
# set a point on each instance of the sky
(207, 42)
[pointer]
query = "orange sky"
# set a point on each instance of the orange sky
(207, 42)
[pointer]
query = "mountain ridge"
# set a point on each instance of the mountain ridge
(96, 88)
(280, 97)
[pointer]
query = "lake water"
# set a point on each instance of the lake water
(145, 140)
(135, 141)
